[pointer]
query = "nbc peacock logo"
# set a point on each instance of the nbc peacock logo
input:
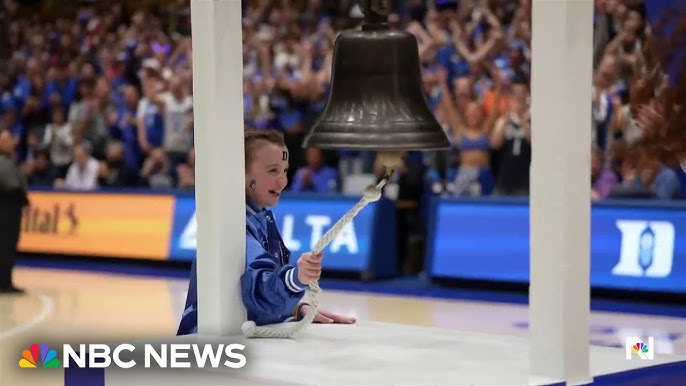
(635, 346)
(639, 348)
(39, 356)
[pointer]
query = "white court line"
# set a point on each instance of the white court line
(47, 306)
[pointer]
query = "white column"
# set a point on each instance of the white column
(220, 176)
(560, 189)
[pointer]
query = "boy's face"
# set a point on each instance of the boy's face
(268, 171)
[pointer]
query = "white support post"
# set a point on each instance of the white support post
(220, 177)
(559, 304)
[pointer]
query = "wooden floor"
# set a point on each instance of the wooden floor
(74, 307)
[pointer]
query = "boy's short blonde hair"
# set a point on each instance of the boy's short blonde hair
(254, 139)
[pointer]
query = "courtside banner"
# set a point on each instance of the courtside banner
(98, 224)
(365, 246)
(634, 245)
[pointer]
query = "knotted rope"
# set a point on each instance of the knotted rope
(251, 330)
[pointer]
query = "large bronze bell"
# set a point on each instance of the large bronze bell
(376, 100)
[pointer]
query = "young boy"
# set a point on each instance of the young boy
(271, 287)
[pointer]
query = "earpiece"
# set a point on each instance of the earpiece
(252, 184)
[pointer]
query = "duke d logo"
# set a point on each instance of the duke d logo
(647, 248)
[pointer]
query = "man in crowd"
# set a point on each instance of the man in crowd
(13, 197)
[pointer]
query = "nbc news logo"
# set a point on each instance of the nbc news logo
(98, 355)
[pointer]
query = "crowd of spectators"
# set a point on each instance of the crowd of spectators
(103, 98)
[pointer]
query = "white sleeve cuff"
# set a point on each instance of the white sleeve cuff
(291, 281)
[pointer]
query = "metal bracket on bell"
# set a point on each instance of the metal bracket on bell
(376, 14)
(380, 7)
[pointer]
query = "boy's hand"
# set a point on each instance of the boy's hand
(309, 267)
(327, 317)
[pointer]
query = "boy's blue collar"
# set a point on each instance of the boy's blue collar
(251, 207)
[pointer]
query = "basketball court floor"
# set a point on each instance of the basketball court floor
(76, 306)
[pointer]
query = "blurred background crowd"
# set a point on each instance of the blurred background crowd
(101, 97)
(97, 96)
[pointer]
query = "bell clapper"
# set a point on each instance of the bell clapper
(391, 160)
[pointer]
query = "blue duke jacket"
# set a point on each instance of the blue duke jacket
(270, 287)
